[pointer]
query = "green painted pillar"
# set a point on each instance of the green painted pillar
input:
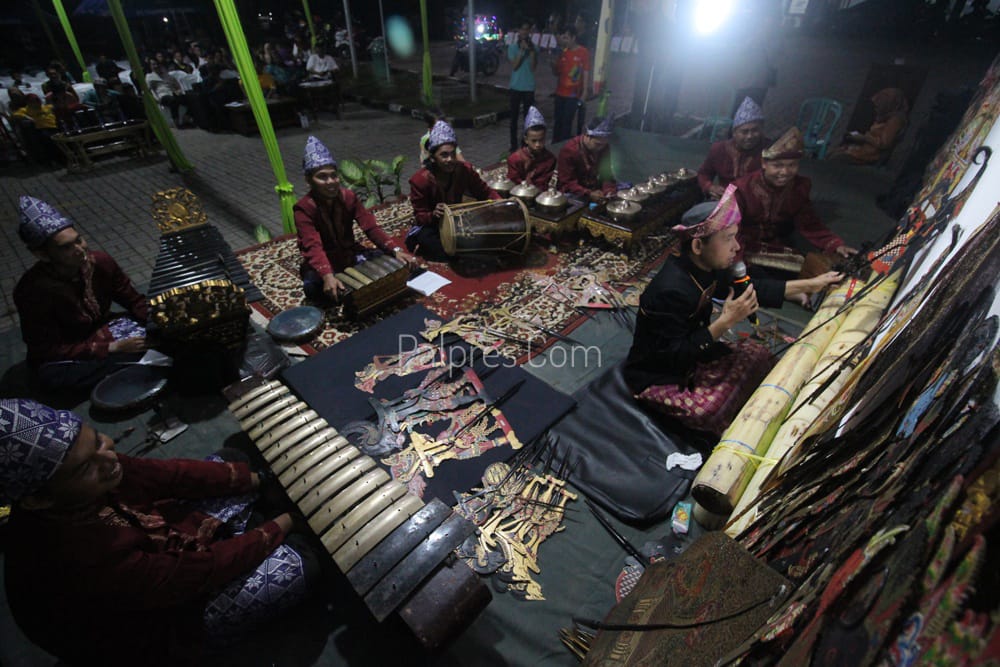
(153, 114)
(428, 72)
(64, 19)
(244, 65)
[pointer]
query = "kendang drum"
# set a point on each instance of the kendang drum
(484, 227)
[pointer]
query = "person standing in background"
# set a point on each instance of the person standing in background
(572, 70)
(523, 57)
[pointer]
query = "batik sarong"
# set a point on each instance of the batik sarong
(718, 389)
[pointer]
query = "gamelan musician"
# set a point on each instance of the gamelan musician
(115, 560)
(442, 180)
(532, 162)
(64, 302)
(585, 163)
(728, 160)
(324, 222)
(775, 202)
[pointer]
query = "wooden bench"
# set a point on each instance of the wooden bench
(283, 112)
(79, 148)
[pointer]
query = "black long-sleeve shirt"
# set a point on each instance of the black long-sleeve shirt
(671, 332)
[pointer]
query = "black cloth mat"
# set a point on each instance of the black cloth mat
(618, 451)
(326, 383)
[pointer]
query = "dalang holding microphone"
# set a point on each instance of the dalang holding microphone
(677, 362)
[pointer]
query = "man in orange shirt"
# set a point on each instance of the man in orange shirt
(573, 71)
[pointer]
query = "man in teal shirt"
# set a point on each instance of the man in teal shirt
(523, 57)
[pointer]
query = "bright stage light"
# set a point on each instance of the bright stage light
(480, 28)
(709, 15)
(166, 20)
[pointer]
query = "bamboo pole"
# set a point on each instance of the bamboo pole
(722, 479)
(830, 377)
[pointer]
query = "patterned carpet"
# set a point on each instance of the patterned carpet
(539, 291)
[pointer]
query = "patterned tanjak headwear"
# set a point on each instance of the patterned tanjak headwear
(34, 440)
(601, 128)
(39, 222)
(704, 219)
(533, 118)
(789, 147)
(442, 133)
(316, 155)
(749, 112)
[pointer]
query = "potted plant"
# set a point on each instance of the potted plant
(367, 177)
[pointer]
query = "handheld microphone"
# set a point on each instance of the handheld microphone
(741, 281)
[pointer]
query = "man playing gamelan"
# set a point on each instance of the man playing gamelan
(324, 222)
(532, 162)
(585, 163)
(114, 560)
(677, 362)
(64, 302)
(442, 180)
(728, 160)
(775, 202)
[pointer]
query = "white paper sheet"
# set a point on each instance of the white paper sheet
(428, 282)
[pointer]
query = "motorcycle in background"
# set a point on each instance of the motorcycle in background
(488, 56)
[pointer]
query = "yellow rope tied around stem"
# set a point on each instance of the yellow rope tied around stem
(753, 459)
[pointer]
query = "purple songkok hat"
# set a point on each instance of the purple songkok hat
(533, 118)
(34, 440)
(749, 112)
(39, 222)
(316, 155)
(441, 134)
(603, 128)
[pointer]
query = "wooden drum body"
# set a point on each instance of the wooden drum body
(501, 226)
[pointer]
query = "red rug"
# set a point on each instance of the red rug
(539, 290)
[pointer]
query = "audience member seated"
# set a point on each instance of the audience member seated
(875, 145)
(16, 91)
(267, 83)
(167, 91)
(196, 56)
(41, 115)
(100, 100)
(57, 74)
(64, 303)
(165, 552)
(226, 68)
(738, 156)
(106, 68)
(126, 98)
(442, 180)
(65, 103)
(677, 363)
(324, 222)
(181, 62)
(321, 65)
(585, 163)
(212, 95)
(775, 202)
(533, 162)
(35, 125)
(278, 62)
